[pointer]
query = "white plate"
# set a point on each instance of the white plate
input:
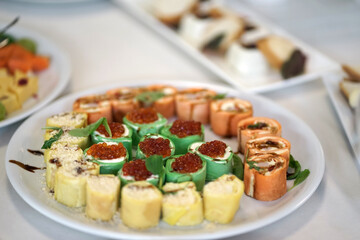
(343, 109)
(52, 81)
(252, 214)
(317, 63)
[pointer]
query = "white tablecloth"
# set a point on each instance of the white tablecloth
(108, 45)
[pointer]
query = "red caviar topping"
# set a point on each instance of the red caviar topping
(105, 151)
(188, 163)
(183, 128)
(137, 169)
(213, 149)
(142, 115)
(117, 130)
(155, 146)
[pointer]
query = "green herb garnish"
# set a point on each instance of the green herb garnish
(148, 98)
(252, 165)
(238, 167)
(296, 166)
(219, 96)
(28, 44)
(154, 164)
(2, 111)
(88, 130)
(215, 42)
(258, 125)
(300, 178)
(47, 144)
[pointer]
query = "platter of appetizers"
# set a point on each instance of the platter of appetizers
(33, 72)
(233, 42)
(343, 88)
(183, 160)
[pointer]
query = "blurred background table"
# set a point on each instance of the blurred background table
(107, 45)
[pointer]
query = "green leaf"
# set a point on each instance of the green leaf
(51, 128)
(28, 44)
(2, 111)
(88, 130)
(154, 164)
(149, 97)
(257, 125)
(219, 96)
(252, 165)
(296, 166)
(238, 167)
(47, 144)
(300, 178)
(215, 42)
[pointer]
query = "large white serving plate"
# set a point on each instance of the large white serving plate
(52, 81)
(317, 62)
(343, 110)
(252, 214)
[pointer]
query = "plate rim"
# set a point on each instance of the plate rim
(64, 74)
(51, 213)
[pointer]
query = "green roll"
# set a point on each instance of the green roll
(141, 155)
(126, 139)
(141, 129)
(215, 168)
(153, 179)
(197, 177)
(108, 166)
(182, 144)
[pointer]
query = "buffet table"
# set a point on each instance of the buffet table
(107, 45)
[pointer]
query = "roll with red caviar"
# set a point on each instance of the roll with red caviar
(218, 157)
(95, 106)
(225, 114)
(120, 133)
(123, 100)
(187, 167)
(265, 177)
(143, 121)
(183, 133)
(155, 144)
(136, 170)
(111, 156)
(194, 104)
(160, 97)
(254, 127)
(269, 144)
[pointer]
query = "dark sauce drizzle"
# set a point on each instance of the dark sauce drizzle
(26, 167)
(36, 152)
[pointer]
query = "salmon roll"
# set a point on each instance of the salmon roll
(95, 106)
(120, 133)
(194, 104)
(182, 204)
(225, 115)
(187, 167)
(155, 144)
(143, 121)
(222, 198)
(254, 127)
(183, 133)
(265, 177)
(123, 100)
(217, 155)
(140, 205)
(136, 170)
(269, 144)
(159, 97)
(111, 156)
